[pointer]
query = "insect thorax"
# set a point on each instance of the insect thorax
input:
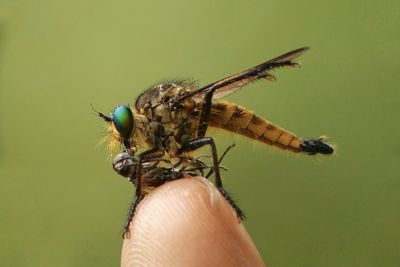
(170, 123)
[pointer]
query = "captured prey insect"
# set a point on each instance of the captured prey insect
(170, 120)
(154, 175)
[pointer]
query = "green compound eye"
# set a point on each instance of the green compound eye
(122, 117)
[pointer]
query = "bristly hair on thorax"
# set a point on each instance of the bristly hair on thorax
(113, 138)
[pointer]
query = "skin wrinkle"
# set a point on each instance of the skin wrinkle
(188, 223)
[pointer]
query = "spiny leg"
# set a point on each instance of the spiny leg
(136, 200)
(138, 192)
(239, 213)
(197, 143)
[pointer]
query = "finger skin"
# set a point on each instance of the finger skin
(187, 222)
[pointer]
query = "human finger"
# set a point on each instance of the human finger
(188, 222)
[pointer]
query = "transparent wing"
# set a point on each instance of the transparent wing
(231, 84)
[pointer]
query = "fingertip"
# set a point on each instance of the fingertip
(183, 223)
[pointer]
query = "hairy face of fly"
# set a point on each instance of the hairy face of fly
(121, 125)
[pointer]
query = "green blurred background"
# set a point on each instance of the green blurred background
(61, 203)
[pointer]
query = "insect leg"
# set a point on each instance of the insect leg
(139, 180)
(221, 158)
(197, 143)
(205, 113)
(136, 200)
(132, 208)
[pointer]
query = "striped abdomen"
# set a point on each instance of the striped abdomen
(236, 119)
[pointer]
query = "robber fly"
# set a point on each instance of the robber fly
(169, 120)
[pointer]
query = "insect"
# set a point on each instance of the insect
(153, 175)
(169, 120)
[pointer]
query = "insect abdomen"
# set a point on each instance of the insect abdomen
(237, 119)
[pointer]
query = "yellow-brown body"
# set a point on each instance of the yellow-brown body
(181, 125)
(169, 115)
(233, 118)
(170, 120)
